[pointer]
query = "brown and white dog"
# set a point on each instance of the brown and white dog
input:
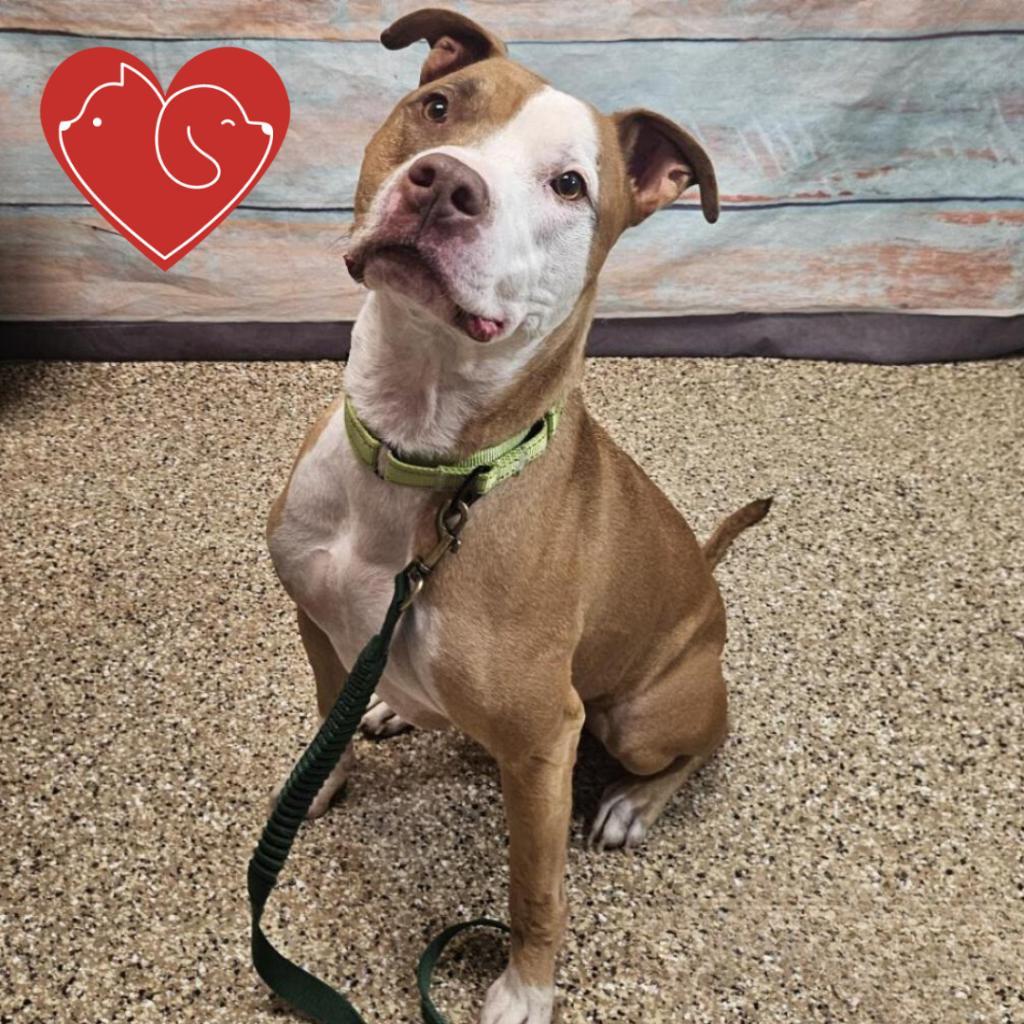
(486, 205)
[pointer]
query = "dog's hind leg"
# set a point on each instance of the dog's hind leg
(382, 721)
(631, 805)
(661, 737)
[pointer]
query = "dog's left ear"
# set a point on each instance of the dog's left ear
(663, 161)
(455, 40)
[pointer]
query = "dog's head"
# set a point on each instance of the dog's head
(491, 199)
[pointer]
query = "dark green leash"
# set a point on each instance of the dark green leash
(296, 986)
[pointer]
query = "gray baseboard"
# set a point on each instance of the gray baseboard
(862, 337)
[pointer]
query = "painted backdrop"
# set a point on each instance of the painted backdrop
(870, 154)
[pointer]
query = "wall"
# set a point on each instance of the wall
(870, 155)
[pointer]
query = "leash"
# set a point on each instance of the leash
(296, 986)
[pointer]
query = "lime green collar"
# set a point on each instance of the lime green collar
(504, 460)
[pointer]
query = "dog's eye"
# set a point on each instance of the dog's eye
(435, 107)
(569, 185)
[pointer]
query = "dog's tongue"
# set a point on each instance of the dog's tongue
(481, 328)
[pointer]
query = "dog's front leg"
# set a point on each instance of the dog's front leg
(537, 788)
(330, 677)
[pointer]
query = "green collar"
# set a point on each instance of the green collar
(504, 460)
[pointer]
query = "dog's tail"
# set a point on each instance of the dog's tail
(732, 526)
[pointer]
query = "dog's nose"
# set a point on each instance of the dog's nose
(445, 189)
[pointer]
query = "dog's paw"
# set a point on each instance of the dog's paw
(620, 822)
(329, 791)
(510, 1001)
(381, 721)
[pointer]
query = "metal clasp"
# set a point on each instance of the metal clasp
(451, 521)
(415, 578)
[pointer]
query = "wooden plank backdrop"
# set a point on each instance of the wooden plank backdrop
(880, 168)
(286, 265)
(512, 19)
(892, 120)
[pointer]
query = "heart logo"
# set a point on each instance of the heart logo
(165, 169)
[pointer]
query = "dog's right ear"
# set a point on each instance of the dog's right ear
(455, 40)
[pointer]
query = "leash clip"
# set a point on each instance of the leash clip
(415, 577)
(451, 521)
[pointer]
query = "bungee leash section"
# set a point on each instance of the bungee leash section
(296, 986)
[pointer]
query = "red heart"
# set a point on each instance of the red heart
(165, 169)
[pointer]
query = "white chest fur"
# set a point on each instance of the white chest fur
(342, 537)
(344, 533)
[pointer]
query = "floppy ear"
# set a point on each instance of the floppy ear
(455, 40)
(663, 161)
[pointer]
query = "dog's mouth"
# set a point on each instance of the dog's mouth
(415, 273)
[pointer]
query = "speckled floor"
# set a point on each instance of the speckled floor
(855, 854)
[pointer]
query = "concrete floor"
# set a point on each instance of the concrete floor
(855, 853)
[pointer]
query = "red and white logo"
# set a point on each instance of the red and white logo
(165, 169)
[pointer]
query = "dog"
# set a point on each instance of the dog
(486, 205)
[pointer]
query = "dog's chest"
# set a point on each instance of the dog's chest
(342, 537)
